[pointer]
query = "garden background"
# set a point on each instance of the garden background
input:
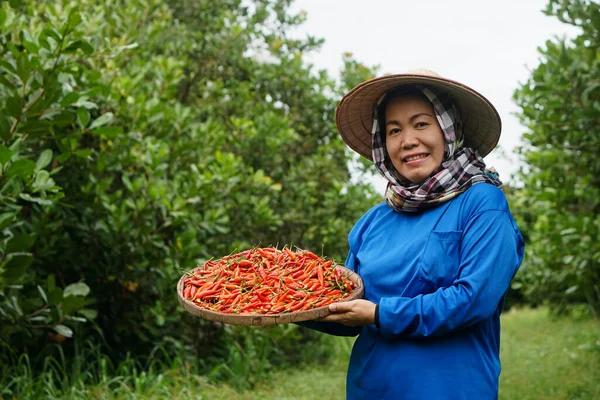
(141, 138)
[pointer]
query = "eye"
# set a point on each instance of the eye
(393, 131)
(421, 124)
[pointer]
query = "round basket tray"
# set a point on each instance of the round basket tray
(267, 319)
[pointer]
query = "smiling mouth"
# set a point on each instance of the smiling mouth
(417, 157)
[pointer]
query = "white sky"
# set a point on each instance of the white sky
(488, 45)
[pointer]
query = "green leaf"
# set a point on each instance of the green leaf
(94, 91)
(568, 259)
(55, 296)
(74, 18)
(69, 99)
(102, 120)
(44, 43)
(52, 33)
(63, 330)
(83, 153)
(14, 3)
(64, 119)
(5, 125)
(23, 67)
(87, 104)
(16, 146)
(569, 231)
(83, 117)
(51, 281)
(586, 95)
(2, 16)
(42, 178)
(109, 132)
(6, 219)
(63, 157)
(42, 293)
(38, 200)
(30, 46)
(572, 289)
(88, 313)
(77, 289)
(14, 304)
(71, 304)
(8, 84)
(21, 242)
(43, 160)
(22, 168)
(15, 266)
(14, 106)
(80, 44)
(55, 312)
(8, 67)
(35, 127)
(5, 155)
(127, 182)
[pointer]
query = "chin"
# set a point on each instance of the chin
(417, 175)
(416, 178)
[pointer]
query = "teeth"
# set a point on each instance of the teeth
(419, 157)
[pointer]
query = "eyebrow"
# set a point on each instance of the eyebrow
(410, 119)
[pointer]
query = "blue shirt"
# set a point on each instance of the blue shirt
(439, 278)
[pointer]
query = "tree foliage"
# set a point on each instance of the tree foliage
(140, 138)
(559, 204)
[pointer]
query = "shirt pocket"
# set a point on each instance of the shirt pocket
(441, 258)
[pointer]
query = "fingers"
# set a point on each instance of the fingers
(341, 307)
(353, 313)
(342, 318)
(339, 312)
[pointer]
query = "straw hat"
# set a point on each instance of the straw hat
(354, 115)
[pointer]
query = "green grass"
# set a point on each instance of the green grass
(549, 359)
(542, 358)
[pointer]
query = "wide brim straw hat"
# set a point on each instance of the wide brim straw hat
(354, 115)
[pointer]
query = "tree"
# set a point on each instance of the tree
(141, 138)
(560, 199)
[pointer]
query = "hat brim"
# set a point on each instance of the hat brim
(354, 114)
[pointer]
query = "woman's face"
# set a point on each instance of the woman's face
(413, 137)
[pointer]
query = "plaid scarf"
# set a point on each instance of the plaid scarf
(461, 167)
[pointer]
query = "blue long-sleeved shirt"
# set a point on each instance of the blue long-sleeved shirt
(439, 278)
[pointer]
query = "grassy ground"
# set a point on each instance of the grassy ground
(542, 359)
(549, 359)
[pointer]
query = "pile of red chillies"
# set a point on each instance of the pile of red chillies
(266, 281)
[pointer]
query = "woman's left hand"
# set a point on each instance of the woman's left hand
(352, 313)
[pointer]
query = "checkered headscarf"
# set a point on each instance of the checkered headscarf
(461, 167)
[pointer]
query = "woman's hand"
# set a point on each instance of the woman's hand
(352, 313)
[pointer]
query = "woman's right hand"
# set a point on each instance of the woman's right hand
(352, 313)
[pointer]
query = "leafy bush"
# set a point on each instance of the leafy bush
(560, 201)
(141, 138)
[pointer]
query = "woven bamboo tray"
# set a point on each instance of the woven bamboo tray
(267, 319)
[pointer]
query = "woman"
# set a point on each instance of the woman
(438, 255)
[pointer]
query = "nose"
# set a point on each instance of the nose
(410, 139)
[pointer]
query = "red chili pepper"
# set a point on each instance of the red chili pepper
(320, 276)
(266, 281)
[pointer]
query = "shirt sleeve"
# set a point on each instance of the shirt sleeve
(491, 252)
(335, 328)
